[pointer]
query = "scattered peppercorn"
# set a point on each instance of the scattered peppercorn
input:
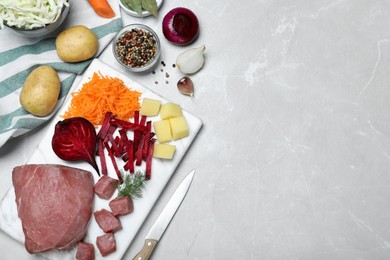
(173, 65)
(166, 74)
(163, 63)
(156, 82)
(136, 48)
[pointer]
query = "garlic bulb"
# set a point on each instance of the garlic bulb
(191, 61)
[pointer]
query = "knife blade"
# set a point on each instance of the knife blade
(162, 222)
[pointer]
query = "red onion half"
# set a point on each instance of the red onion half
(180, 26)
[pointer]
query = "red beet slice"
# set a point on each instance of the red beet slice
(74, 139)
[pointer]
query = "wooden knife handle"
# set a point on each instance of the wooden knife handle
(147, 250)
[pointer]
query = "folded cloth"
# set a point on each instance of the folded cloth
(19, 56)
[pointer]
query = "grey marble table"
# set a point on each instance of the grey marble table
(293, 160)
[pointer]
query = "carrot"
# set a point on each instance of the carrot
(102, 8)
(100, 95)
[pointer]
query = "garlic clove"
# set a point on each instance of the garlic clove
(185, 86)
(192, 60)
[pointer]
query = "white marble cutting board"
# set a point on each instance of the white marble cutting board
(162, 170)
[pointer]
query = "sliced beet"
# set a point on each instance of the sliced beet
(74, 139)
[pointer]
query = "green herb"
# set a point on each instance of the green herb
(135, 5)
(150, 6)
(132, 185)
(139, 5)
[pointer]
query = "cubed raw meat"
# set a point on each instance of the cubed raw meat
(107, 221)
(105, 187)
(85, 251)
(121, 206)
(106, 244)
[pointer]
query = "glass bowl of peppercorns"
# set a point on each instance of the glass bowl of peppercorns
(136, 47)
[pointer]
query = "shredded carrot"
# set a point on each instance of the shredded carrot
(103, 94)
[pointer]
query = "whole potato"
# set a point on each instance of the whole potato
(77, 43)
(40, 91)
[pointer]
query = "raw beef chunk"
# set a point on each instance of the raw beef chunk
(121, 206)
(106, 244)
(107, 221)
(85, 251)
(54, 204)
(105, 187)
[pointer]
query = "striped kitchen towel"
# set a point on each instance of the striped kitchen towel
(19, 56)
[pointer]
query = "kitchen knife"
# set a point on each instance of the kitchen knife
(165, 217)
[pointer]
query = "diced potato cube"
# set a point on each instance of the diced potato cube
(170, 110)
(179, 127)
(162, 129)
(164, 151)
(150, 107)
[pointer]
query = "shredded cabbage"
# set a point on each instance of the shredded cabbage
(30, 14)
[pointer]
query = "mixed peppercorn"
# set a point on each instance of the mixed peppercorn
(136, 48)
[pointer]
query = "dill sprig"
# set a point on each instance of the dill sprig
(132, 185)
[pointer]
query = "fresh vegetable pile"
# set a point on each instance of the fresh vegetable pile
(126, 133)
(30, 14)
(133, 151)
(133, 142)
(103, 94)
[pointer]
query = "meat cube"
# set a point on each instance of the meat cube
(85, 251)
(105, 187)
(121, 206)
(107, 221)
(54, 204)
(106, 244)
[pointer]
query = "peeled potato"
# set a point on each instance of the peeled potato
(40, 91)
(77, 43)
